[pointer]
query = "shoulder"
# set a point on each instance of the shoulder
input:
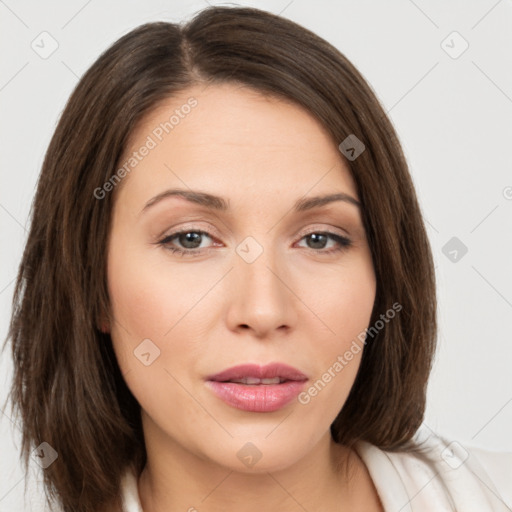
(435, 470)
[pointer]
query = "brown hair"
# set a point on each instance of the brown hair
(67, 384)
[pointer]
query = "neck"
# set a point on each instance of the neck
(177, 479)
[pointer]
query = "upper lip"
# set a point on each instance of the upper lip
(269, 371)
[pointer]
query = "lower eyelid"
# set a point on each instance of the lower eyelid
(342, 242)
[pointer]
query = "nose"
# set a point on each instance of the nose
(261, 297)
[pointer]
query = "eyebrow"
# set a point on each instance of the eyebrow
(218, 203)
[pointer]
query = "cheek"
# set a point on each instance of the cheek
(151, 299)
(344, 304)
(345, 300)
(142, 303)
(149, 302)
(146, 296)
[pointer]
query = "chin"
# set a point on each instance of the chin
(257, 455)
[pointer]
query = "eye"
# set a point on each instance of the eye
(319, 240)
(190, 241)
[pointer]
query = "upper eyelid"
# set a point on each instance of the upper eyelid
(301, 234)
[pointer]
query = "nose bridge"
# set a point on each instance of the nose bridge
(262, 301)
(256, 264)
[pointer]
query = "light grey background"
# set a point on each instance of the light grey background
(454, 118)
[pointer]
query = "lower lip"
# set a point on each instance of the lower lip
(258, 398)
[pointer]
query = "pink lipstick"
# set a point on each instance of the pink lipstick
(255, 388)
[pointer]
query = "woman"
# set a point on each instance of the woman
(227, 298)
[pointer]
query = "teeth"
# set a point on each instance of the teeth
(275, 380)
(255, 380)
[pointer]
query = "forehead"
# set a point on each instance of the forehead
(237, 114)
(236, 135)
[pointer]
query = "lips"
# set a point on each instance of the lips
(254, 374)
(256, 388)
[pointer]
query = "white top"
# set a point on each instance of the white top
(445, 477)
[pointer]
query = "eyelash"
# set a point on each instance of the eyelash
(343, 242)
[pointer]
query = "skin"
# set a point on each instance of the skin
(294, 304)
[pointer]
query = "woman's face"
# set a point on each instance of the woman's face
(265, 281)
